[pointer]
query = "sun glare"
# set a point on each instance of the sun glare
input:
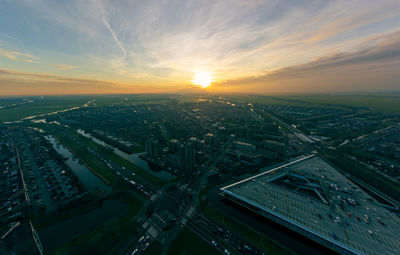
(202, 79)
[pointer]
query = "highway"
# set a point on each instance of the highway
(319, 145)
(206, 237)
(177, 201)
(130, 177)
(224, 236)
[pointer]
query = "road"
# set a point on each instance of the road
(175, 204)
(234, 241)
(138, 183)
(319, 145)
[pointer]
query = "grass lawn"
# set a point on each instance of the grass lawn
(155, 249)
(97, 166)
(108, 238)
(384, 104)
(379, 103)
(42, 106)
(121, 161)
(255, 238)
(371, 177)
(189, 243)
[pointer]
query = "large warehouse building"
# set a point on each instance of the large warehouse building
(310, 197)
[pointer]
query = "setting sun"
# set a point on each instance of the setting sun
(202, 79)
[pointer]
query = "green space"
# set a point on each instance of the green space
(379, 103)
(114, 233)
(381, 182)
(266, 100)
(383, 103)
(188, 242)
(110, 155)
(129, 99)
(42, 106)
(48, 104)
(155, 249)
(97, 166)
(110, 237)
(130, 199)
(47, 219)
(255, 238)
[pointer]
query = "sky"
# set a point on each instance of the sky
(256, 47)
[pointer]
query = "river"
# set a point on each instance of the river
(50, 113)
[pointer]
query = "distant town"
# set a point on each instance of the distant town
(198, 174)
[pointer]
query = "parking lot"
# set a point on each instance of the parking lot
(350, 218)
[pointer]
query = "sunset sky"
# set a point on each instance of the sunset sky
(249, 46)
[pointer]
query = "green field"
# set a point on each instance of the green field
(384, 104)
(189, 243)
(97, 166)
(110, 155)
(378, 103)
(110, 237)
(42, 106)
(255, 238)
(48, 104)
(381, 182)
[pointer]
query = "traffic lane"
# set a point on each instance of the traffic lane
(225, 234)
(205, 237)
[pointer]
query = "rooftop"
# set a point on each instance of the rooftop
(311, 197)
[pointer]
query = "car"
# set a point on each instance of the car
(141, 239)
(214, 243)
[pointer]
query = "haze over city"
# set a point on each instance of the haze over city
(177, 127)
(257, 47)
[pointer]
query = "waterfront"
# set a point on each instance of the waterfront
(134, 158)
(89, 180)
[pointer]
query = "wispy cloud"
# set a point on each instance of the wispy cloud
(30, 61)
(105, 21)
(166, 42)
(107, 24)
(378, 58)
(50, 77)
(18, 56)
(19, 82)
(66, 67)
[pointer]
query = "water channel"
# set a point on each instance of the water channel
(89, 180)
(134, 158)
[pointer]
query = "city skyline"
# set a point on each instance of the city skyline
(259, 47)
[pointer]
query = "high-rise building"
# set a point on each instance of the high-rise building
(244, 146)
(181, 156)
(152, 147)
(210, 139)
(186, 157)
(190, 151)
(173, 145)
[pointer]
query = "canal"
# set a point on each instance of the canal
(134, 158)
(89, 180)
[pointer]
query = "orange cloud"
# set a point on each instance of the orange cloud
(66, 67)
